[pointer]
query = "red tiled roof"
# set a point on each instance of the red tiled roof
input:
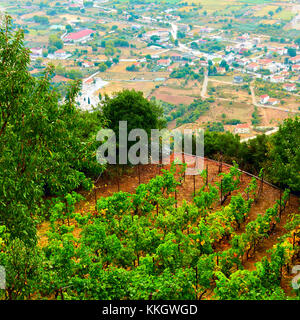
(78, 35)
(163, 61)
(290, 85)
(242, 125)
(57, 78)
(60, 51)
(273, 100)
(295, 58)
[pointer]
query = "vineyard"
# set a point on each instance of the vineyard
(156, 233)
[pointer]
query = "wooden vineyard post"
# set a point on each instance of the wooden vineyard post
(221, 190)
(294, 239)
(158, 169)
(175, 198)
(139, 173)
(280, 208)
(95, 195)
(196, 285)
(118, 181)
(262, 181)
(206, 174)
(221, 165)
(194, 184)
(183, 160)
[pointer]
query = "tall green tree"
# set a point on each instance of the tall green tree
(43, 145)
(285, 155)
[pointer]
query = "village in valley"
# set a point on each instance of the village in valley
(231, 66)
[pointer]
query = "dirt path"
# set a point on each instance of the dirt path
(204, 86)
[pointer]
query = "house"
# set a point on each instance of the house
(242, 128)
(243, 38)
(57, 27)
(293, 46)
(268, 64)
(272, 101)
(295, 60)
(36, 53)
(176, 57)
(272, 67)
(164, 62)
(264, 99)
(285, 73)
(206, 30)
(242, 62)
(242, 50)
(203, 63)
(161, 33)
(264, 62)
(136, 27)
(252, 67)
(58, 79)
(238, 79)
(280, 51)
(277, 79)
(221, 70)
(183, 27)
(229, 58)
(296, 67)
(60, 54)
(289, 86)
(87, 64)
(229, 48)
(80, 36)
(75, 5)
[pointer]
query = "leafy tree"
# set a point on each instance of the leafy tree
(41, 20)
(41, 149)
(285, 155)
(55, 41)
(131, 106)
(292, 52)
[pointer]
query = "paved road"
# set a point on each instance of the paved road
(267, 133)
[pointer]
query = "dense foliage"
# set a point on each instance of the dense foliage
(278, 154)
(139, 245)
(46, 144)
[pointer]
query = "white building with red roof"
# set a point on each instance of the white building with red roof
(253, 66)
(295, 60)
(296, 67)
(163, 34)
(277, 78)
(36, 53)
(289, 86)
(80, 36)
(242, 128)
(61, 54)
(87, 64)
(164, 62)
(273, 101)
(264, 99)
